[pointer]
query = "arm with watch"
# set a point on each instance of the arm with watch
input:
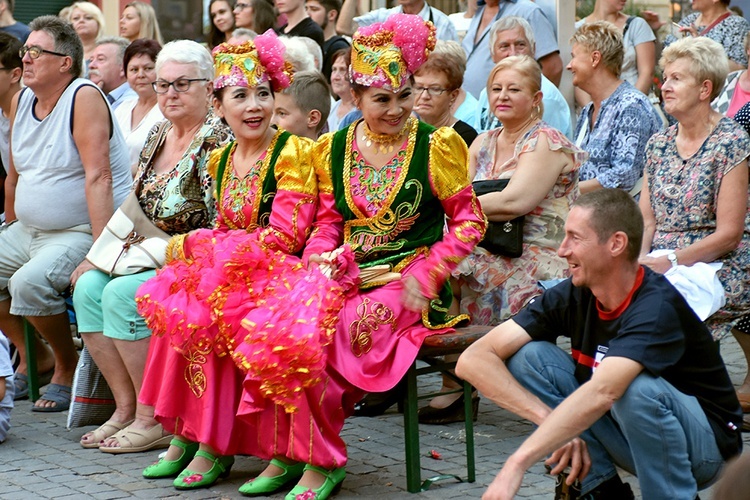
(730, 224)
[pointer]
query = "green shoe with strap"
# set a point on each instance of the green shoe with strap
(333, 481)
(263, 485)
(191, 480)
(171, 468)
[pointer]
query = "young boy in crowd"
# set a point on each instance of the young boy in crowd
(303, 108)
(7, 390)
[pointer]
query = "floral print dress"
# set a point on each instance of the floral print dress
(495, 287)
(684, 194)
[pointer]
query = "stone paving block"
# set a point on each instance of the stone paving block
(56, 492)
(109, 495)
(16, 495)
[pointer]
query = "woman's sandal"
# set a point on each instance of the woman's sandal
(333, 481)
(172, 468)
(134, 441)
(265, 485)
(107, 429)
(191, 480)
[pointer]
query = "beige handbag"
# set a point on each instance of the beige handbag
(130, 243)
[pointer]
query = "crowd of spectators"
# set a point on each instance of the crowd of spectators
(307, 142)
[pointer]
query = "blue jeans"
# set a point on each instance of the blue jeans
(654, 431)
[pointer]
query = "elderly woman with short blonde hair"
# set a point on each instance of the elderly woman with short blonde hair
(615, 126)
(695, 190)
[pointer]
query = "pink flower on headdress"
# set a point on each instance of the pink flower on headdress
(271, 56)
(414, 36)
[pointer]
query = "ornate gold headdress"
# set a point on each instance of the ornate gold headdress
(386, 54)
(252, 63)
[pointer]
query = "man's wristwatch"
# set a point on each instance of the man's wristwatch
(672, 258)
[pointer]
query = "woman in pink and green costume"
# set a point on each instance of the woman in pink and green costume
(398, 191)
(230, 360)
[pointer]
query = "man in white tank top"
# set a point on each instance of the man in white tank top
(68, 170)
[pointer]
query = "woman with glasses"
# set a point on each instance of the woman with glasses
(136, 116)
(437, 85)
(239, 324)
(256, 15)
(222, 22)
(175, 192)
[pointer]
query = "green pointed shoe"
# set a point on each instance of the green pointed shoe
(191, 480)
(171, 468)
(333, 481)
(263, 485)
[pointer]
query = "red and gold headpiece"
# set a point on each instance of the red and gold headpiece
(386, 54)
(252, 63)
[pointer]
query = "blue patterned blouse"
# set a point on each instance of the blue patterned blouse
(616, 145)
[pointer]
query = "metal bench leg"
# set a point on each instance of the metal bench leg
(469, 426)
(411, 433)
(30, 339)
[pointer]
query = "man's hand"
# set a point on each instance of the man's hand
(574, 454)
(507, 482)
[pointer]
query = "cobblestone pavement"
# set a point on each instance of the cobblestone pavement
(41, 459)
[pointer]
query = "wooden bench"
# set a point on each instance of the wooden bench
(432, 352)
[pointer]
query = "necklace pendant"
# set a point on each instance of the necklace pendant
(368, 143)
(390, 148)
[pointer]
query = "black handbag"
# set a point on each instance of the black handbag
(502, 237)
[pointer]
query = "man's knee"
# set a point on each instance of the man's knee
(640, 398)
(539, 356)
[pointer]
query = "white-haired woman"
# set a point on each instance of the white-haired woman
(695, 189)
(175, 192)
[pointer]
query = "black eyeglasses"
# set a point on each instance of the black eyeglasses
(35, 51)
(241, 6)
(180, 85)
(431, 91)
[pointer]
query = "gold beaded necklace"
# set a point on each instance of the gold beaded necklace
(384, 143)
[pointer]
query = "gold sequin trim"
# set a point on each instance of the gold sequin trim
(386, 207)
(261, 177)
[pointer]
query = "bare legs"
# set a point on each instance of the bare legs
(56, 331)
(128, 363)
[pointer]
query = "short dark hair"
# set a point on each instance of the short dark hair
(65, 37)
(141, 46)
(614, 210)
(9, 47)
(330, 5)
